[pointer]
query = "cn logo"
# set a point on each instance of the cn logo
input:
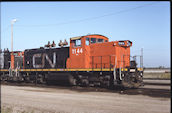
(44, 56)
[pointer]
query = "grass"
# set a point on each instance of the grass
(10, 110)
(6, 110)
(157, 75)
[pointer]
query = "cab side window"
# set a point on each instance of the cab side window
(87, 41)
(77, 43)
(100, 40)
(93, 40)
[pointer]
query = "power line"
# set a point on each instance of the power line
(86, 19)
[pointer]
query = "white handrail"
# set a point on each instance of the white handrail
(120, 70)
(114, 71)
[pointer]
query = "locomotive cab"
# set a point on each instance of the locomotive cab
(80, 50)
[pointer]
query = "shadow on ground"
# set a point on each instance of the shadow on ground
(161, 93)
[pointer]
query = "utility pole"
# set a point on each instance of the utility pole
(12, 56)
(12, 37)
(141, 57)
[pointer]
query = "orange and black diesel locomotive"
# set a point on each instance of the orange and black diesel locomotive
(90, 60)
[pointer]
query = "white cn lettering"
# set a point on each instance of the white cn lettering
(49, 61)
(44, 56)
(37, 65)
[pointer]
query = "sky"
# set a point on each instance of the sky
(146, 24)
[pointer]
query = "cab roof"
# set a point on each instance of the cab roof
(79, 37)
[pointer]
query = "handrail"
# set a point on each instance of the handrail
(99, 63)
(114, 72)
(120, 70)
(95, 62)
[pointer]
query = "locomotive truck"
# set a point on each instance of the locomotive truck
(90, 60)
